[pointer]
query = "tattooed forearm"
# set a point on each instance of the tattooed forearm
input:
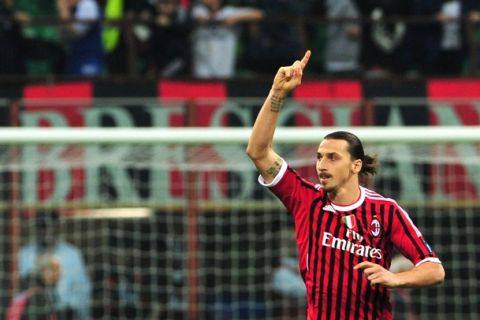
(276, 103)
(275, 168)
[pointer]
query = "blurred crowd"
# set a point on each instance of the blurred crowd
(229, 38)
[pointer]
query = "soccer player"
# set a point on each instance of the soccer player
(345, 232)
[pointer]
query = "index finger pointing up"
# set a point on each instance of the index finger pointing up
(305, 59)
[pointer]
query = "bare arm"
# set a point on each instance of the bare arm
(259, 147)
(64, 12)
(426, 274)
(75, 29)
(252, 15)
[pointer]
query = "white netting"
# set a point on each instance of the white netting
(183, 231)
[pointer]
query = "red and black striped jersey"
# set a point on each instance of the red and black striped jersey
(332, 239)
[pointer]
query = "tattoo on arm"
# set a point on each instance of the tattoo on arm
(276, 103)
(275, 168)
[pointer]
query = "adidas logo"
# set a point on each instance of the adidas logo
(329, 208)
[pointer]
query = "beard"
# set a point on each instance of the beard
(325, 180)
(329, 184)
(330, 189)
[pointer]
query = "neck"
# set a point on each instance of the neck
(345, 196)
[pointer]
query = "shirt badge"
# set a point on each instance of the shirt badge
(375, 227)
(350, 221)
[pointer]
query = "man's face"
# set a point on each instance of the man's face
(167, 6)
(334, 164)
(212, 4)
(47, 234)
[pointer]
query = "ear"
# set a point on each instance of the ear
(357, 166)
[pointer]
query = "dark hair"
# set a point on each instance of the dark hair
(355, 148)
(47, 217)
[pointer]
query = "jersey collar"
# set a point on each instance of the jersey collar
(352, 206)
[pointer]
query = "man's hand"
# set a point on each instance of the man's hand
(378, 275)
(287, 78)
(51, 270)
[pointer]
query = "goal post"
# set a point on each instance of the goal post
(172, 224)
(391, 134)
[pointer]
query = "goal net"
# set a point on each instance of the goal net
(171, 224)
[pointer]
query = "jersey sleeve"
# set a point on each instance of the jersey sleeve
(409, 240)
(291, 189)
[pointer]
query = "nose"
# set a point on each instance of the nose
(321, 164)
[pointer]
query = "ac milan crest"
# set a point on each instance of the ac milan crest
(375, 227)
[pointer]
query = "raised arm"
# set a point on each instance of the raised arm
(259, 148)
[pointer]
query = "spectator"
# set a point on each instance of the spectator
(85, 56)
(118, 51)
(73, 289)
(454, 40)
(451, 53)
(278, 39)
(117, 292)
(40, 43)
(113, 37)
(426, 37)
(474, 12)
(343, 38)
(287, 283)
(36, 300)
(143, 13)
(11, 57)
(474, 18)
(384, 43)
(170, 41)
(215, 37)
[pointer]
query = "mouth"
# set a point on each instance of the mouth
(324, 178)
